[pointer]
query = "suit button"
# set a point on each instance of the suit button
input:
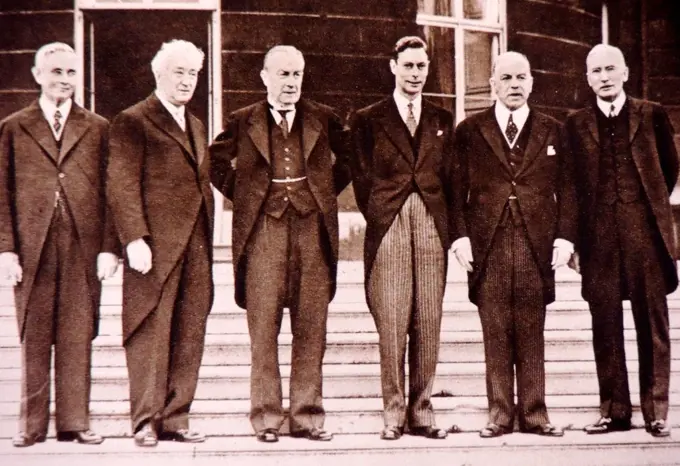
(287, 168)
(287, 159)
(285, 198)
(288, 188)
(514, 184)
(61, 175)
(286, 150)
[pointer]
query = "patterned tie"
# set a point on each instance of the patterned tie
(511, 130)
(612, 109)
(57, 121)
(284, 122)
(411, 122)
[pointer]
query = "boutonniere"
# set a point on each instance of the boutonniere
(551, 150)
(439, 132)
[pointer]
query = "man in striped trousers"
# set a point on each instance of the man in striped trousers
(401, 175)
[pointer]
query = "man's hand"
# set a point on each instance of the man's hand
(463, 251)
(107, 264)
(139, 255)
(10, 268)
(562, 251)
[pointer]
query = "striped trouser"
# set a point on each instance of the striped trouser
(406, 289)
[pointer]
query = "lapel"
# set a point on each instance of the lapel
(198, 137)
(160, 116)
(634, 117)
(537, 137)
(38, 128)
(396, 129)
(428, 126)
(259, 131)
(311, 128)
(75, 128)
(488, 126)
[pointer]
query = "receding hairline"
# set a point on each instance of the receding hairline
(281, 49)
(48, 49)
(509, 54)
(608, 49)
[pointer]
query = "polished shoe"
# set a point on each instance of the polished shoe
(454, 429)
(318, 435)
(658, 428)
(146, 436)
(432, 432)
(22, 439)
(86, 437)
(391, 433)
(605, 425)
(182, 435)
(493, 430)
(268, 436)
(547, 430)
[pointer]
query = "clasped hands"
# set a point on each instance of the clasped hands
(10, 268)
(562, 252)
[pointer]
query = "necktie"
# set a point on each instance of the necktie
(181, 122)
(511, 130)
(57, 122)
(284, 122)
(611, 111)
(411, 122)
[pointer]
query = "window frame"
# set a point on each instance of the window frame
(461, 25)
(148, 5)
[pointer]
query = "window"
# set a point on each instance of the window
(464, 37)
(148, 4)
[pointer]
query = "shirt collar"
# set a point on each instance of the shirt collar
(290, 115)
(49, 109)
(605, 107)
(175, 111)
(402, 105)
(519, 117)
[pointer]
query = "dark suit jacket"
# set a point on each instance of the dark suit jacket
(30, 169)
(157, 183)
(656, 159)
(246, 139)
(385, 169)
(543, 186)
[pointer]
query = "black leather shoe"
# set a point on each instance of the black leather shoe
(86, 437)
(146, 436)
(658, 428)
(318, 435)
(22, 439)
(605, 425)
(428, 432)
(391, 433)
(268, 435)
(493, 430)
(547, 430)
(182, 435)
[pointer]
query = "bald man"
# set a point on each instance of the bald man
(514, 224)
(282, 161)
(626, 166)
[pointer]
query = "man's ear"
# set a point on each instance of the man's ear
(36, 74)
(393, 66)
(264, 77)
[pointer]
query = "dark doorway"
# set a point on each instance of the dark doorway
(119, 46)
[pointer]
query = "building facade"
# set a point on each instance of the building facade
(346, 45)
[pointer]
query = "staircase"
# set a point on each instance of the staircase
(352, 388)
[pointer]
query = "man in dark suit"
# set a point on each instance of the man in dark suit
(160, 195)
(514, 223)
(626, 167)
(56, 243)
(282, 162)
(401, 179)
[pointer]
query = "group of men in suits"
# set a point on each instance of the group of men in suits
(511, 191)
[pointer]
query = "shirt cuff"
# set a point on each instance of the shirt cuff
(564, 244)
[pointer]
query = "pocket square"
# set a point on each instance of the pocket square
(439, 132)
(551, 150)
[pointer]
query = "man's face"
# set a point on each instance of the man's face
(177, 79)
(282, 75)
(410, 71)
(606, 73)
(512, 81)
(56, 75)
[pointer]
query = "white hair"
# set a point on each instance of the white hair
(48, 49)
(179, 47)
(288, 49)
(602, 48)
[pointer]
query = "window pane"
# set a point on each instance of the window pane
(486, 10)
(435, 7)
(441, 79)
(480, 48)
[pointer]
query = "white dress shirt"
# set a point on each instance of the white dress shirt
(49, 109)
(290, 116)
(519, 117)
(618, 103)
(176, 112)
(402, 105)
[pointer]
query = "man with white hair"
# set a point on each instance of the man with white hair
(282, 162)
(626, 167)
(160, 196)
(56, 244)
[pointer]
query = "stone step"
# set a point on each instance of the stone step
(347, 348)
(621, 449)
(344, 415)
(347, 381)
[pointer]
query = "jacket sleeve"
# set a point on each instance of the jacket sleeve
(361, 142)
(124, 177)
(223, 158)
(460, 182)
(110, 241)
(665, 146)
(566, 191)
(339, 140)
(7, 240)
